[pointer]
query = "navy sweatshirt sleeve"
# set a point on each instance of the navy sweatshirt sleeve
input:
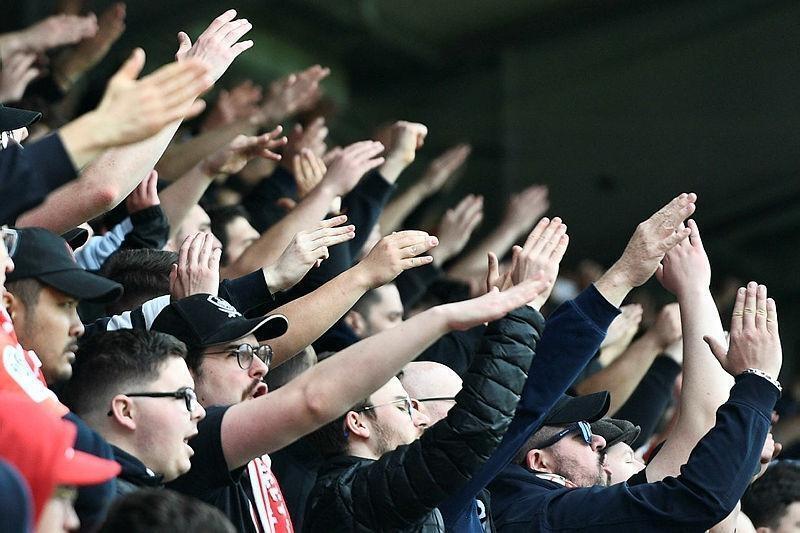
(650, 399)
(412, 284)
(363, 206)
(28, 175)
(710, 484)
(571, 337)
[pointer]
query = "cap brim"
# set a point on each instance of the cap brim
(590, 407)
(80, 468)
(264, 328)
(83, 285)
(12, 118)
(76, 237)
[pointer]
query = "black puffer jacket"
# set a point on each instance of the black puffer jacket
(401, 490)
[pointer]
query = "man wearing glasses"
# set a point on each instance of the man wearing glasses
(134, 388)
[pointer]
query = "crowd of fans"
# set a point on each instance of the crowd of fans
(208, 325)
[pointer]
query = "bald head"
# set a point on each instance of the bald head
(425, 379)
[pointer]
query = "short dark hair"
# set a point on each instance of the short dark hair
(285, 372)
(108, 362)
(163, 511)
(220, 217)
(26, 290)
(766, 500)
(331, 440)
(534, 441)
(369, 298)
(143, 273)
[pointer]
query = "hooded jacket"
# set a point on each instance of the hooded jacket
(401, 490)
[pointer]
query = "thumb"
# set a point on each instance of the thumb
(131, 69)
(719, 351)
(660, 273)
(173, 277)
(184, 44)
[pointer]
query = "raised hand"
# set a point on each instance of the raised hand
(525, 208)
(144, 195)
(293, 93)
(685, 267)
(18, 70)
(355, 160)
(443, 167)
(239, 103)
(55, 31)
(456, 228)
(233, 157)
(132, 110)
(68, 67)
(540, 257)
(218, 45)
(405, 139)
(624, 327)
(395, 253)
(652, 239)
(310, 138)
(491, 306)
(754, 339)
(197, 270)
(308, 171)
(307, 249)
(667, 328)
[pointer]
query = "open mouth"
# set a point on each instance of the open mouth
(260, 390)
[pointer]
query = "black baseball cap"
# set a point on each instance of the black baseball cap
(570, 409)
(12, 118)
(76, 237)
(204, 320)
(43, 255)
(614, 430)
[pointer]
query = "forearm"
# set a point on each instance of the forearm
(179, 198)
(499, 241)
(623, 375)
(313, 314)
(101, 186)
(179, 158)
(398, 209)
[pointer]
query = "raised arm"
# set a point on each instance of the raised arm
(686, 272)
(328, 389)
(623, 375)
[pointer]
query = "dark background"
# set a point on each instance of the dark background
(615, 105)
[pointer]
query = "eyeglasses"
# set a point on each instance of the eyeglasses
(437, 399)
(582, 426)
(408, 408)
(10, 240)
(246, 352)
(186, 393)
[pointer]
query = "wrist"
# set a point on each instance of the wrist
(440, 317)
(614, 285)
(392, 167)
(360, 277)
(273, 279)
(763, 374)
(84, 138)
(205, 170)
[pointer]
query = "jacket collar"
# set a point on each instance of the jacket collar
(134, 471)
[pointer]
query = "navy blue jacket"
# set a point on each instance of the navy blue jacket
(571, 337)
(706, 491)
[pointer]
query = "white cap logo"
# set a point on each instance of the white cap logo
(224, 306)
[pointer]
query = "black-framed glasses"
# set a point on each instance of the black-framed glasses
(405, 401)
(187, 394)
(582, 426)
(10, 240)
(437, 399)
(245, 353)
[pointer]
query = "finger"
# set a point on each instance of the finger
(761, 307)
(184, 45)
(772, 317)
(298, 168)
(717, 348)
(540, 246)
(335, 221)
(183, 253)
(660, 273)
(194, 250)
(492, 271)
(131, 69)
(237, 32)
(219, 22)
(206, 250)
(195, 109)
(173, 278)
(213, 263)
(364, 150)
(552, 243)
(738, 310)
(152, 185)
(696, 241)
(419, 247)
(308, 170)
(401, 239)
(324, 233)
(674, 239)
(317, 166)
(415, 262)
(536, 234)
(333, 240)
(749, 310)
(558, 254)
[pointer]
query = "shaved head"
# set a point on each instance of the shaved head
(425, 379)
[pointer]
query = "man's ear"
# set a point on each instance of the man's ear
(353, 425)
(123, 411)
(357, 323)
(11, 303)
(538, 460)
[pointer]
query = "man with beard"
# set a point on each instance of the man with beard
(558, 483)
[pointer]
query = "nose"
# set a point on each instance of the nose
(9, 265)
(420, 419)
(199, 412)
(76, 328)
(598, 443)
(258, 369)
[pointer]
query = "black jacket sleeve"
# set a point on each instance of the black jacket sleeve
(406, 484)
(260, 202)
(363, 206)
(150, 230)
(650, 399)
(456, 349)
(28, 175)
(412, 284)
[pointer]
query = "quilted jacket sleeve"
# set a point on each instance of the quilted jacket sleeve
(405, 485)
